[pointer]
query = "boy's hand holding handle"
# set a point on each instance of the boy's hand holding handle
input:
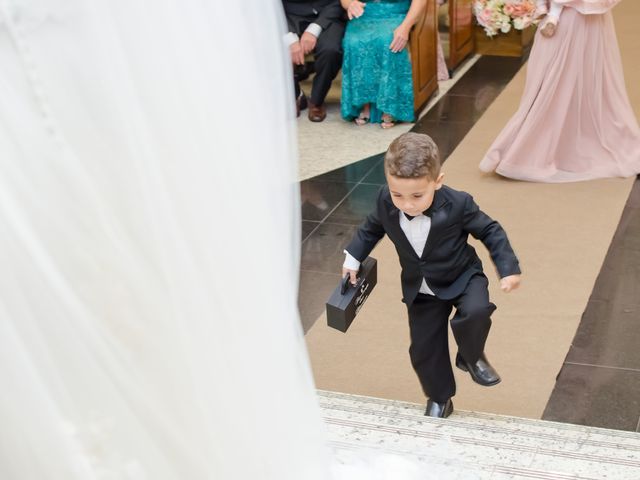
(509, 283)
(353, 275)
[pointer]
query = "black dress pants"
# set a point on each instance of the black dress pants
(428, 325)
(327, 57)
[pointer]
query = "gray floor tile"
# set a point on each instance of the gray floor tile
(350, 173)
(319, 198)
(322, 250)
(596, 396)
(307, 228)
(315, 289)
(353, 209)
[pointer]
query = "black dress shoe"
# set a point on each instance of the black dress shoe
(301, 103)
(481, 372)
(439, 410)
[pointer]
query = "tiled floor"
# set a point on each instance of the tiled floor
(599, 384)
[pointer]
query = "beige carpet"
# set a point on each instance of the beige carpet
(561, 234)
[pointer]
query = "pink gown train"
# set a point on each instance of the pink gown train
(575, 121)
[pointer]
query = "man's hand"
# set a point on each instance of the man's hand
(400, 38)
(308, 42)
(297, 53)
(353, 275)
(355, 9)
(509, 283)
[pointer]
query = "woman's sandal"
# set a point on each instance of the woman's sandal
(361, 119)
(387, 121)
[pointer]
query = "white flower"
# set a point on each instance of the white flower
(491, 15)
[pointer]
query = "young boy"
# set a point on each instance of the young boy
(429, 224)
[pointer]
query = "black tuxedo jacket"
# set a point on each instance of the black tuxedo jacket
(322, 12)
(448, 261)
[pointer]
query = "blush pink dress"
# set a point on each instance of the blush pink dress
(575, 121)
(589, 7)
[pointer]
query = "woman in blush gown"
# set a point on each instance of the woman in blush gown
(575, 121)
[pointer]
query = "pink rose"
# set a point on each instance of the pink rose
(485, 16)
(519, 8)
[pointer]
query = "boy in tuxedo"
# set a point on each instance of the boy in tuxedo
(429, 224)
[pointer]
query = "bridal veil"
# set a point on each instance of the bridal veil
(149, 245)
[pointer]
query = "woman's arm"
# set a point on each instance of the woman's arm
(401, 34)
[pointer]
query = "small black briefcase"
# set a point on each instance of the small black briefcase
(346, 300)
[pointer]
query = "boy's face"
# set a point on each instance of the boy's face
(413, 195)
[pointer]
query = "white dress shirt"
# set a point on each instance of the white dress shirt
(417, 232)
(313, 28)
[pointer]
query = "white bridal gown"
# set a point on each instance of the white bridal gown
(149, 245)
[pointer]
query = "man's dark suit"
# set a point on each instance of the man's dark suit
(453, 272)
(329, 15)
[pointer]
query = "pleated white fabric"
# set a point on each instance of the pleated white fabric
(148, 251)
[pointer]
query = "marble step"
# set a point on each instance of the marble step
(472, 445)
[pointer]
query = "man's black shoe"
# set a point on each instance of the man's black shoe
(439, 410)
(481, 372)
(301, 103)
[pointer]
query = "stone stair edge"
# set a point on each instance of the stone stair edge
(462, 414)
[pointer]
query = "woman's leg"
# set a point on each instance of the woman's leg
(387, 120)
(364, 116)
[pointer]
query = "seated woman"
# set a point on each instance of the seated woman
(377, 83)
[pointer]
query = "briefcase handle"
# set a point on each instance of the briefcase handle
(344, 286)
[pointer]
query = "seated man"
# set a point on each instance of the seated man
(315, 26)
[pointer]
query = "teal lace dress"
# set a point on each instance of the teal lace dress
(371, 73)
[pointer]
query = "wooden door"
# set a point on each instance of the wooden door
(423, 56)
(460, 31)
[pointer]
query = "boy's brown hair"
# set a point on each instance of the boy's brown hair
(412, 155)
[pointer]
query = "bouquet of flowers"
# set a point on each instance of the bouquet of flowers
(497, 16)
